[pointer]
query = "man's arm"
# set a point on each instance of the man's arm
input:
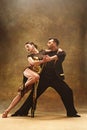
(61, 55)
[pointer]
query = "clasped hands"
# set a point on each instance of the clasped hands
(46, 58)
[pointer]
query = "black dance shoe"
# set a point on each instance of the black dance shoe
(19, 114)
(76, 115)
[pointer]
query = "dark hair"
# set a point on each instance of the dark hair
(55, 40)
(31, 43)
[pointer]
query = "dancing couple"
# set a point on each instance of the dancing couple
(45, 67)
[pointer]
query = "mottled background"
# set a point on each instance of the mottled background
(37, 20)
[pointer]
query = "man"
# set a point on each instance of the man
(52, 75)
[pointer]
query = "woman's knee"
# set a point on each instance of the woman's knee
(36, 77)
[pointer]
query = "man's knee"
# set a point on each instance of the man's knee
(70, 92)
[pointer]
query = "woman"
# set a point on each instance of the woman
(30, 74)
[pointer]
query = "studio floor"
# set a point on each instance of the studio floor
(45, 121)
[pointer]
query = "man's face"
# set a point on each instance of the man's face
(50, 44)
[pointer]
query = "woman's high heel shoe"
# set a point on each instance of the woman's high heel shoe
(4, 115)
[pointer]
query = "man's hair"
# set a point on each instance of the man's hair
(31, 43)
(55, 40)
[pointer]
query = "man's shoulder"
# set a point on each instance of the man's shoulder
(61, 52)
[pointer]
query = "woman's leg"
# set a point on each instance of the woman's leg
(23, 110)
(42, 86)
(32, 77)
(14, 102)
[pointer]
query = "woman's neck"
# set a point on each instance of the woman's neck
(35, 51)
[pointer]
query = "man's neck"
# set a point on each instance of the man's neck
(54, 49)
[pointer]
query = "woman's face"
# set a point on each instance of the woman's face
(29, 47)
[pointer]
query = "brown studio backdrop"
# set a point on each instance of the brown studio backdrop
(22, 21)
